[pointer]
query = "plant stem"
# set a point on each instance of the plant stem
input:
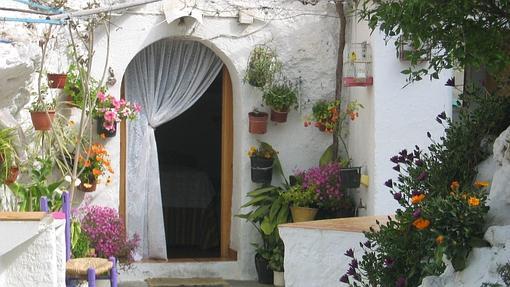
(339, 74)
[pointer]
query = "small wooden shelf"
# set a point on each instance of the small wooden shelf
(350, 224)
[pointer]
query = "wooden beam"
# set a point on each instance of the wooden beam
(22, 216)
(123, 163)
(226, 162)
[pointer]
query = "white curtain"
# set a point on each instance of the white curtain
(167, 78)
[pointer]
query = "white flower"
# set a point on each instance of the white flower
(59, 191)
(37, 165)
(77, 182)
(69, 179)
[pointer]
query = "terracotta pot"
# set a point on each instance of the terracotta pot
(12, 175)
(300, 214)
(258, 122)
(42, 120)
(91, 188)
(102, 130)
(279, 279)
(279, 117)
(57, 81)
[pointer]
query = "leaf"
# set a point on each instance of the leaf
(55, 185)
(327, 156)
(259, 212)
(275, 207)
(254, 200)
(283, 215)
(260, 191)
(266, 226)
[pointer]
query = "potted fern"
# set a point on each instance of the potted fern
(281, 97)
(262, 66)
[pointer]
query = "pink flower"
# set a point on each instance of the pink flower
(116, 103)
(101, 96)
(110, 116)
(137, 107)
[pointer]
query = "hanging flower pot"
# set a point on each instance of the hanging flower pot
(88, 186)
(258, 122)
(56, 81)
(261, 169)
(350, 177)
(279, 117)
(12, 175)
(42, 120)
(102, 130)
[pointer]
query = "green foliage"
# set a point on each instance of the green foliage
(459, 33)
(504, 272)
(301, 197)
(8, 155)
(442, 207)
(80, 243)
(40, 105)
(262, 66)
(276, 259)
(264, 150)
(29, 194)
(74, 86)
(281, 96)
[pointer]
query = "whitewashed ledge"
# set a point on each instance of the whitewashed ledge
(314, 250)
(32, 250)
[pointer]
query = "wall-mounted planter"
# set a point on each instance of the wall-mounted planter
(56, 81)
(258, 122)
(88, 187)
(279, 117)
(101, 130)
(261, 169)
(350, 177)
(12, 175)
(42, 120)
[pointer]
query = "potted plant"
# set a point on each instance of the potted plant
(110, 111)
(302, 202)
(93, 165)
(257, 122)
(262, 66)
(350, 177)
(276, 264)
(268, 210)
(56, 81)
(324, 116)
(261, 160)
(8, 157)
(42, 114)
(280, 96)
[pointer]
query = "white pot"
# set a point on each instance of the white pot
(279, 279)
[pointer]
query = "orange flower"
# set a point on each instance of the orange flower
(96, 172)
(455, 185)
(480, 184)
(421, 223)
(103, 136)
(439, 239)
(417, 198)
(87, 163)
(473, 201)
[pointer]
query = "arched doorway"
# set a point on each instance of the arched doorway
(222, 181)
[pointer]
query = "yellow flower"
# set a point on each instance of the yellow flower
(87, 185)
(417, 198)
(455, 185)
(421, 223)
(252, 151)
(439, 239)
(480, 184)
(473, 201)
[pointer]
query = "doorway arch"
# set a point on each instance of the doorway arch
(226, 163)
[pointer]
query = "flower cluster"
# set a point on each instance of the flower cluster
(325, 180)
(264, 151)
(94, 164)
(107, 233)
(113, 110)
(326, 115)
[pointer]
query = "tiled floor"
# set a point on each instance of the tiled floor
(232, 283)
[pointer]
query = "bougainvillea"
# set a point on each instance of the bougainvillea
(325, 180)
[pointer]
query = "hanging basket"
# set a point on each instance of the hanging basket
(91, 188)
(350, 177)
(101, 130)
(261, 169)
(42, 120)
(57, 81)
(258, 122)
(279, 117)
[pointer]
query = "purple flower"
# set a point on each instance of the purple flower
(368, 244)
(388, 262)
(351, 271)
(394, 159)
(429, 135)
(397, 196)
(401, 282)
(389, 183)
(423, 176)
(397, 168)
(450, 82)
(354, 263)
(417, 213)
(403, 152)
(349, 253)
(439, 120)
(344, 279)
(416, 192)
(419, 162)
(442, 116)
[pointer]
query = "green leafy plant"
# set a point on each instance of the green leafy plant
(30, 193)
(8, 154)
(442, 207)
(281, 96)
(301, 197)
(276, 259)
(264, 150)
(74, 85)
(42, 105)
(263, 64)
(80, 243)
